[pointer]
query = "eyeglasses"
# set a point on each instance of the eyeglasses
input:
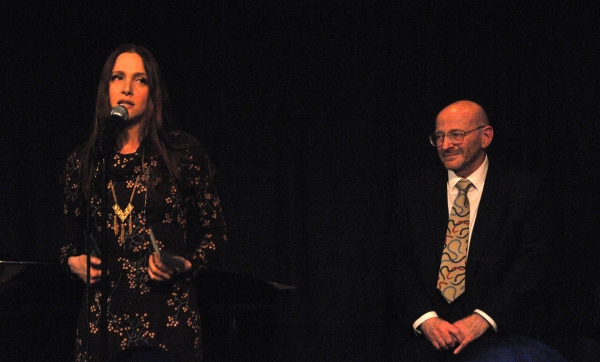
(437, 139)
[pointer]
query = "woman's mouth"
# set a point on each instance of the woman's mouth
(126, 104)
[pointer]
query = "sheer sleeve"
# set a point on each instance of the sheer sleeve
(206, 224)
(73, 211)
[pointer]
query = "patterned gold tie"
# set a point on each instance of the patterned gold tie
(451, 278)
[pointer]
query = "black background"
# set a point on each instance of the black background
(310, 110)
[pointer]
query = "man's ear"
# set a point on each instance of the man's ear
(488, 135)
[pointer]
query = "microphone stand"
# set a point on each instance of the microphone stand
(99, 159)
(88, 249)
(103, 145)
(104, 265)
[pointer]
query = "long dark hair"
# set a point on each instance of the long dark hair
(153, 123)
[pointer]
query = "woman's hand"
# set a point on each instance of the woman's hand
(159, 271)
(78, 266)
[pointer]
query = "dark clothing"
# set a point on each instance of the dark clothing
(507, 252)
(186, 219)
(491, 348)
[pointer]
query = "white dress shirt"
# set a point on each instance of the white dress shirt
(477, 178)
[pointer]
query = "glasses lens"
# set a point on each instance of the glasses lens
(455, 137)
(436, 139)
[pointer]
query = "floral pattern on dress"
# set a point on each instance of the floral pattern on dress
(187, 220)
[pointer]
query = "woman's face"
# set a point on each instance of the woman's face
(128, 84)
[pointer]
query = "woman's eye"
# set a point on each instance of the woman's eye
(143, 80)
(115, 77)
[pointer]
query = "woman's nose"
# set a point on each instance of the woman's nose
(126, 88)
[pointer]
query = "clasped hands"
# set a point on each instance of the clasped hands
(156, 270)
(444, 335)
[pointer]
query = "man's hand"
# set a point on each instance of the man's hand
(471, 328)
(442, 334)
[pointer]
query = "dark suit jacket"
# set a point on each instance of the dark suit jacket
(506, 259)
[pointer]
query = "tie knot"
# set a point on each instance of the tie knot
(464, 185)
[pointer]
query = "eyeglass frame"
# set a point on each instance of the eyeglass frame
(451, 137)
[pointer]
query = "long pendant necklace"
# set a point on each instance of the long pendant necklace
(123, 214)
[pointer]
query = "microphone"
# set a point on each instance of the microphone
(119, 114)
(115, 123)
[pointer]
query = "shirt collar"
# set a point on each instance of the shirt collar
(477, 178)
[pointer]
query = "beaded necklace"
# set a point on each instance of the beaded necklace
(123, 214)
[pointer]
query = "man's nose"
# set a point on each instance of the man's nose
(446, 143)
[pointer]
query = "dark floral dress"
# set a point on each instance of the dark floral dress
(186, 220)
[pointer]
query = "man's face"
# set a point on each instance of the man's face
(465, 157)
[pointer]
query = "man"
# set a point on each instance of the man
(472, 242)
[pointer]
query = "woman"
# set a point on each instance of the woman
(158, 183)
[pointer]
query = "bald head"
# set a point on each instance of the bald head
(471, 113)
(463, 154)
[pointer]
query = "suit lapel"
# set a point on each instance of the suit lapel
(436, 206)
(491, 207)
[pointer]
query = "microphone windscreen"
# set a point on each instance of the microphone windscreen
(119, 112)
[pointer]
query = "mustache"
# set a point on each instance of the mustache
(447, 153)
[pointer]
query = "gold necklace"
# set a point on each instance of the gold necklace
(123, 214)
